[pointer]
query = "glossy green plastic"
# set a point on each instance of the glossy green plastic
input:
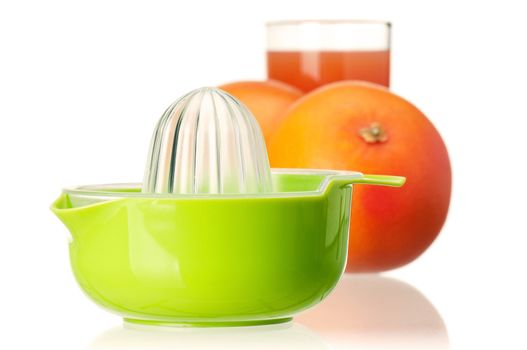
(212, 260)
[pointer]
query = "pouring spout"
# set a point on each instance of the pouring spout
(81, 216)
(63, 209)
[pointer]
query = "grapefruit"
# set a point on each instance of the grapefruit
(267, 100)
(364, 127)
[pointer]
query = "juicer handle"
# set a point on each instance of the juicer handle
(383, 180)
(343, 179)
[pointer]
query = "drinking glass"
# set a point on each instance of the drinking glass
(308, 54)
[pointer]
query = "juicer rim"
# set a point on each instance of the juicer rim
(100, 192)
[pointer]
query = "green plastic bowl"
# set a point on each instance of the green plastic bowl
(212, 260)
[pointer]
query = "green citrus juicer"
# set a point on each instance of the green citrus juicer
(212, 237)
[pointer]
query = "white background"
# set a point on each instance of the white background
(83, 83)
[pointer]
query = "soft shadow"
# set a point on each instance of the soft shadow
(372, 311)
(276, 337)
(363, 312)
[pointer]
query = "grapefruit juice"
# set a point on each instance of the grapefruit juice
(308, 70)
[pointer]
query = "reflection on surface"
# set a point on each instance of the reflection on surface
(364, 312)
(371, 311)
(275, 337)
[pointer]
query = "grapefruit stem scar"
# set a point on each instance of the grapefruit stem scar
(373, 133)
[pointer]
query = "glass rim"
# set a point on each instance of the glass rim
(388, 24)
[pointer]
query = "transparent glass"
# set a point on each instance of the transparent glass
(309, 54)
(207, 142)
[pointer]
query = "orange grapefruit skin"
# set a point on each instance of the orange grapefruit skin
(267, 100)
(389, 227)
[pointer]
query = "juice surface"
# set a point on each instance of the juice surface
(308, 70)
